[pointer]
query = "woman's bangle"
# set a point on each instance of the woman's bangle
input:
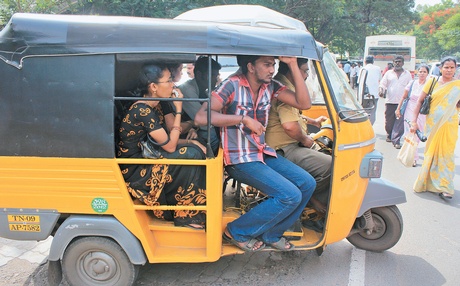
(180, 112)
(178, 128)
(241, 121)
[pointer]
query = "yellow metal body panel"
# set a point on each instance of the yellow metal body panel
(69, 185)
(347, 187)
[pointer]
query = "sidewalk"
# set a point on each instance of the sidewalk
(21, 262)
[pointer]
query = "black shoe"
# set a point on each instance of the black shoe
(316, 225)
(388, 139)
(397, 146)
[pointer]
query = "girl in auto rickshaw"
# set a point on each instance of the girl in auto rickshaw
(162, 184)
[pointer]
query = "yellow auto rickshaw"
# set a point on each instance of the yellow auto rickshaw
(63, 77)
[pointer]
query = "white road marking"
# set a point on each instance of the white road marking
(357, 267)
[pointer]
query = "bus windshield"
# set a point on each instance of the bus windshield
(385, 47)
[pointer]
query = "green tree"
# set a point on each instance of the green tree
(344, 24)
(437, 34)
(448, 36)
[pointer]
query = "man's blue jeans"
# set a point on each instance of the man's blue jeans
(288, 187)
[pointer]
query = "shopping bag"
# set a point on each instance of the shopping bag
(407, 153)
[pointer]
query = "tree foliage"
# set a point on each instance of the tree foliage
(438, 31)
(340, 24)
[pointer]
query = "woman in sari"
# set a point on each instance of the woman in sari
(441, 129)
(413, 90)
(160, 184)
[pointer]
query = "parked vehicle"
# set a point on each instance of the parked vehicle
(62, 79)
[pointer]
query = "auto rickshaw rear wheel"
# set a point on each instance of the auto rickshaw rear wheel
(97, 261)
(387, 230)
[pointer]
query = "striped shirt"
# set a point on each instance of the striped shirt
(239, 143)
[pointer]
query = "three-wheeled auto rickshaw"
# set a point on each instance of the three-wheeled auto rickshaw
(63, 79)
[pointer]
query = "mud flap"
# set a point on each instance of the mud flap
(320, 250)
(54, 273)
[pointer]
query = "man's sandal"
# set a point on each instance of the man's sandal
(246, 246)
(283, 244)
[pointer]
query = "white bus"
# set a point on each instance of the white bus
(385, 47)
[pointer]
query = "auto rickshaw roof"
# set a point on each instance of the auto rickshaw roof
(249, 15)
(28, 35)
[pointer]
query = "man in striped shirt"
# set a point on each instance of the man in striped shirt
(240, 106)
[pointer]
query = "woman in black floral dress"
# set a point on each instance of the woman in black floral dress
(162, 184)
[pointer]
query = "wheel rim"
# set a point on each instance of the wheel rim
(97, 266)
(379, 228)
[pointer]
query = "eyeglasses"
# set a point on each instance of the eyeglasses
(168, 81)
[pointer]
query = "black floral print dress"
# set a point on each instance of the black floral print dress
(161, 184)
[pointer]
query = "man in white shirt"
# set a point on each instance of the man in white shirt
(346, 69)
(353, 75)
(374, 74)
(394, 82)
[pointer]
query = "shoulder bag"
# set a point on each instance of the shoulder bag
(150, 148)
(425, 108)
(406, 100)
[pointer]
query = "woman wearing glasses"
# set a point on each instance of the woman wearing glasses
(160, 184)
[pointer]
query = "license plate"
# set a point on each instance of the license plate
(24, 227)
(24, 218)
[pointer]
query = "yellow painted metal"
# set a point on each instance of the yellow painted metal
(348, 188)
(68, 185)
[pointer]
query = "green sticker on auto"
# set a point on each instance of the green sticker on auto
(99, 205)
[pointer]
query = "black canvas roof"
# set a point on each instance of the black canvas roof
(47, 35)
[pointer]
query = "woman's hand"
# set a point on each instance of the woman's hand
(413, 127)
(177, 93)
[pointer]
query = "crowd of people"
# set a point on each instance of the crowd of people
(395, 84)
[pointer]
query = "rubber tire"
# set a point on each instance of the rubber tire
(84, 253)
(387, 231)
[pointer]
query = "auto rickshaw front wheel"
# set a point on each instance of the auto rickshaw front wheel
(385, 232)
(97, 261)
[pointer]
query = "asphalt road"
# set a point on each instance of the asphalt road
(427, 254)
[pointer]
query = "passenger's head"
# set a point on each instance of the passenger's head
(176, 71)
(201, 71)
(257, 68)
(448, 66)
(369, 60)
(243, 62)
(155, 81)
(190, 72)
(301, 63)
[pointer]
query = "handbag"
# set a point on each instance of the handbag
(406, 100)
(407, 153)
(151, 149)
(425, 108)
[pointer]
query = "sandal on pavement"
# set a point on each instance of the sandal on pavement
(283, 244)
(445, 196)
(249, 245)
